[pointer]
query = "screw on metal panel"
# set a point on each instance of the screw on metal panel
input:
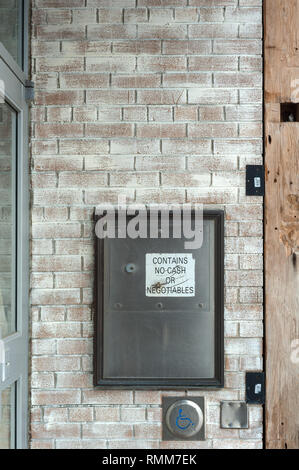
(118, 305)
(130, 268)
(159, 305)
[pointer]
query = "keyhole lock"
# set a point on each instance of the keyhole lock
(130, 268)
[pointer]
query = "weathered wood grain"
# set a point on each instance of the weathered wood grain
(281, 225)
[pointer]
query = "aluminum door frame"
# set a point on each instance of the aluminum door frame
(17, 343)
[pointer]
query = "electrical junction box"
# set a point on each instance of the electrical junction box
(159, 310)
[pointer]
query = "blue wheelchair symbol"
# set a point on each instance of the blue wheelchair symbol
(183, 422)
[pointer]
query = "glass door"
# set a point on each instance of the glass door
(14, 285)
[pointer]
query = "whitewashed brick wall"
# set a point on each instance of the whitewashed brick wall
(161, 99)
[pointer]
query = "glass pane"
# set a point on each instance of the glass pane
(11, 28)
(7, 219)
(7, 417)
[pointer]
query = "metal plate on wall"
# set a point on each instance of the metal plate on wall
(183, 419)
(234, 415)
(171, 339)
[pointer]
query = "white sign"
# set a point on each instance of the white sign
(169, 275)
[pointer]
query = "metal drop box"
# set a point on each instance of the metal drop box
(149, 335)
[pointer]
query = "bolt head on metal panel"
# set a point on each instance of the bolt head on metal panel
(234, 415)
(183, 420)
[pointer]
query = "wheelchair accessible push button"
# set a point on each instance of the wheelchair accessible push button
(184, 418)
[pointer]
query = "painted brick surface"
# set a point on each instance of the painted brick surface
(162, 100)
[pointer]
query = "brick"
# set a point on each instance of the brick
(74, 347)
(221, 63)
(238, 146)
(41, 48)
(84, 80)
(134, 179)
(55, 415)
(186, 15)
(251, 329)
(213, 31)
(243, 15)
(43, 346)
(110, 64)
(162, 31)
(55, 397)
(58, 130)
(85, 113)
(187, 146)
(83, 147)
(186, 80)
(55, 363)
(160, 196)
(59, 3)
(109, 130)
(161, 130)
(198, 163)
(73, 280)
(127, 31)
(58, 163)
(241, 80)
(185, 113)
(101, 430)
(81, 414)
(110, 97)
(135, 113)
(212, 196)
(150, 47)
(55, 430)
(42, 280)
(55, 296)
(109, 163)
(81, 444)
(132, 414)
(58, 114)
(108, 397)
(166, 3)
(107, 3)
(55, 64)
(85, 48)
(186, 179)
(52, 314)
(135, 15)
(160, 163)
(86, 16)
(110, 15)
(59, 98)
(45, 380)
(212, 130)
(187, 47)
(161, 64)
(50, 230)
(212, 15)
(207, 3)
(56, 330)
(212, 96)
(60, 32)
(238, 46)
(134, 146)
(56, 16)
(162, 97)
(73, 380)
(144, 430)
(136, 81)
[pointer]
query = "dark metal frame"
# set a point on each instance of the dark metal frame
(163, 384)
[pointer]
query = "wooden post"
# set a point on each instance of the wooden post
(282, 223)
